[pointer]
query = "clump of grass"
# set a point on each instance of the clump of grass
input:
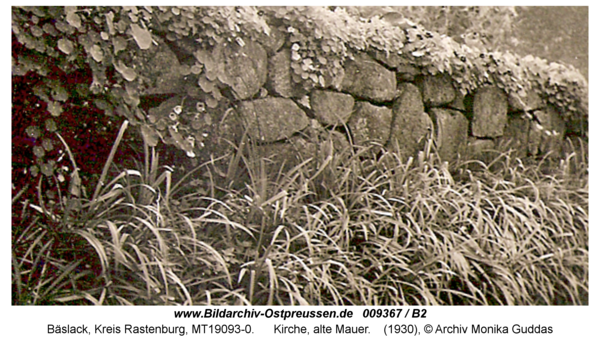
(390, 231)
(363, 227)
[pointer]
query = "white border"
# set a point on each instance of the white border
(570, 322)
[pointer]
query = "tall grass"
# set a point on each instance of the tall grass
(364, 226)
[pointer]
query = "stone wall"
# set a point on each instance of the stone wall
(379, 100)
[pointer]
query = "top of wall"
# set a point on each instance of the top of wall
(399, 42)
(321, 40)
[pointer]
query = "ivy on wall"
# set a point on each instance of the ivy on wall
(116, 45)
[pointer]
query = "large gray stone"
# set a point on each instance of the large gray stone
(314, 145)
(489, 112)
(370, 124)
(272, 119)
(331, 108)
(411, 126)
(413, 135)
(279, 79)
(366, 78)
(452, 132)
(409, 100)
(333, 143)
(331, 149)
(437, 90)
(160, 66)
(244, 68)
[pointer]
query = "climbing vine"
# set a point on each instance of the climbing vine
(119, 48)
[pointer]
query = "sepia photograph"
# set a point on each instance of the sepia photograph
(299, 155)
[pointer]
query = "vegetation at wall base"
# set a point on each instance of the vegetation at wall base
(369, 228)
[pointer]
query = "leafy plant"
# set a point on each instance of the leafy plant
(116, 44)
(364, 228)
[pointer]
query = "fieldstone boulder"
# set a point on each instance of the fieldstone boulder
(314, 145)
(409, 100)
(411, 125)
(272, 119)
(161, 66)
(452, 131)
(329, 148)
(279, 79)
(244, 69)
(437, 90)
(489, 112)
(366, 78)
(369, 123)
(331, 108)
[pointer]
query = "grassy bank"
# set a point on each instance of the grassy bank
(361, 227)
